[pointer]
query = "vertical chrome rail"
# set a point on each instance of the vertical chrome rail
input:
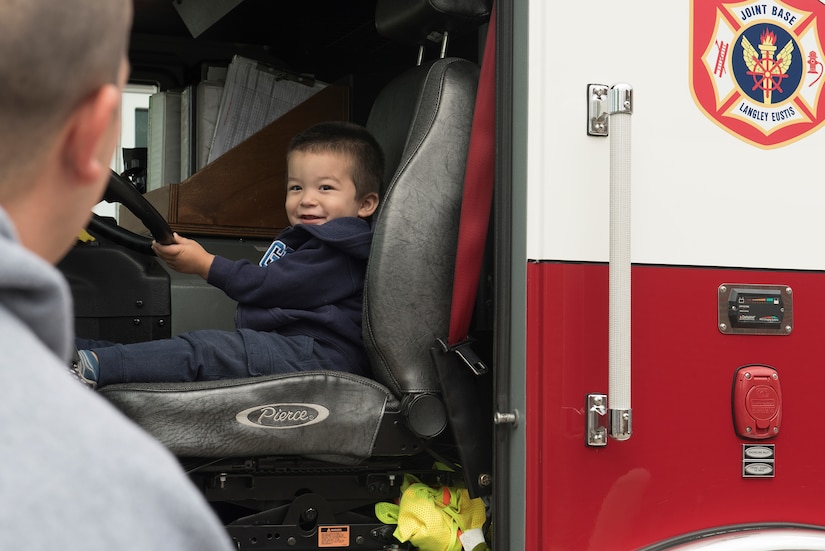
(620, 101)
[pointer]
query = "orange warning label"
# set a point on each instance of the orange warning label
(333, 536)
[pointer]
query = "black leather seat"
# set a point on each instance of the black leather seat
(406, 308)
(242, 439)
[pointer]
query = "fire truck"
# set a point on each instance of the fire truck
(645, 351)
(667, 318)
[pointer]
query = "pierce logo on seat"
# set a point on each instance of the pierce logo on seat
(282, 416)
(757, 67)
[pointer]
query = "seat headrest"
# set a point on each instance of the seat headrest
(412, 21)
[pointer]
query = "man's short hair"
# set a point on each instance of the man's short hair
(52, 56)
(349, 139)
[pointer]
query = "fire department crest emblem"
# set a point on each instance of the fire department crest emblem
(756, 67)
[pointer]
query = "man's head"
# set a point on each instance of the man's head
(334, 169)
(63, 66)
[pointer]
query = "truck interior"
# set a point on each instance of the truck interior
(408, 70)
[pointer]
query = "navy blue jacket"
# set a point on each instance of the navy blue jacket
(315, 289)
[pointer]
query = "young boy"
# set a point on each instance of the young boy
(299, 308)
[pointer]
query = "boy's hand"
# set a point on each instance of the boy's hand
(185, 256)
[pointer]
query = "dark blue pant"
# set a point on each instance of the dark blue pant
(204, 356)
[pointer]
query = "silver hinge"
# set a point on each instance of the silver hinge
(596, 430)
(598, 110)
(603, 101)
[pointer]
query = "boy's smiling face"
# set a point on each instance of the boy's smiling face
(320, 188)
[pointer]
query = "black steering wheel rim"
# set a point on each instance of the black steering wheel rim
(120, 190)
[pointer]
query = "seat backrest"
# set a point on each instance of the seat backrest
(423, 121)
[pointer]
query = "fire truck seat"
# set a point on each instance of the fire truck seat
(323, 418)
(406, 308)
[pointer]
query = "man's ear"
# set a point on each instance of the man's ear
(90, 137)
(368, 205)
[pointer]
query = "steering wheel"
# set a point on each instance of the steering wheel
(121, 190)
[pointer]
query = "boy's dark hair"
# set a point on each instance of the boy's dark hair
(352, 140)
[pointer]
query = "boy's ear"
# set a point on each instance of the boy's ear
(368, 205)
(89, 140)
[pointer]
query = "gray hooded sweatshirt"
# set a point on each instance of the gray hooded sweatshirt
(76, 474)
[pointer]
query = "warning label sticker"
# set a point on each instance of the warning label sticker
(333, 536)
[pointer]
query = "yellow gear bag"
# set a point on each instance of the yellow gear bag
(430, 518)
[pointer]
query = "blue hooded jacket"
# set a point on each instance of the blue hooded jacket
(315, 288)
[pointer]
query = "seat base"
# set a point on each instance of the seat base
(289, 503)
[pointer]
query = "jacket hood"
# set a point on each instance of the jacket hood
(351, 235)
(34, 291)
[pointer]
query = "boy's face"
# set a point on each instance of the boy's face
(320, 188)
